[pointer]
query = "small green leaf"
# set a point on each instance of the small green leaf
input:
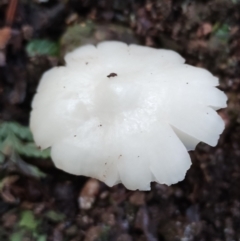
(18, 138)
(221, 32)
(54, 216)
(42, 47)
(17, 236)
(76, 35)
(2, 157)
(13, 127)
(14, 142)
(42, 238)
(31, 150)
(3, 130)
(21, 131)
(28, 220)
(6, 147)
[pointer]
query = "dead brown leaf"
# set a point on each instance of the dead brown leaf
(204, 30)
(5, 35)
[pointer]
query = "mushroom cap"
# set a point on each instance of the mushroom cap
(126, 114)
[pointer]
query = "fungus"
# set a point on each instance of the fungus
(152, 109)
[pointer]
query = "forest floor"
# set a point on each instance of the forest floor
(41, 203)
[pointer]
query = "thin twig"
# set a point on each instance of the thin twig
(11, 12)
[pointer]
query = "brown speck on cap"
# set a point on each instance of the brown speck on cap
(111, 75)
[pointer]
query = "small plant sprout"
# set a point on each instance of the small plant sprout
(126, 114)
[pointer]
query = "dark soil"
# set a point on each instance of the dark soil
(203, 207)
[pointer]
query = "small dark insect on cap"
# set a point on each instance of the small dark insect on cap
(112, 75)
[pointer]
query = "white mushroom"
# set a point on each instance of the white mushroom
(126, 114)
